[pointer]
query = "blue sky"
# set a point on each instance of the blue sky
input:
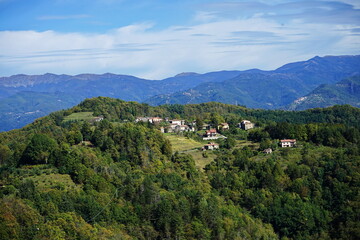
(157, 38)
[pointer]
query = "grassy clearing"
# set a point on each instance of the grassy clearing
(182, 144)
(200, 161)
(86, 116)
(53, 181)
(243, 143)
(190, 146)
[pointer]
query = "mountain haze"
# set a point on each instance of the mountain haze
(269, 89)
(24, 98)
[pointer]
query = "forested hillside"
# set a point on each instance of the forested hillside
(346, 91)
(69, 176)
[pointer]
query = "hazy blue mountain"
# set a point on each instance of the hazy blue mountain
(24, 98)
(253, 88)
(83, 86)
(256, 90)
(269, 89)
(323, 70)
(24, 107)
(346, 91)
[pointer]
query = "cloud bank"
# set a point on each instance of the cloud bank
(228, 35)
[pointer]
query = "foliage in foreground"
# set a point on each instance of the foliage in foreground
(72, 180)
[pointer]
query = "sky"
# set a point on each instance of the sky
(155, 39)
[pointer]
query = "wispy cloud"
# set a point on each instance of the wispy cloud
(63, 17)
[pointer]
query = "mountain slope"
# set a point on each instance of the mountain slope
(112, 85)
(23, 107)
(323, 70)
(256, 90)
(269, 89)
(346, 91)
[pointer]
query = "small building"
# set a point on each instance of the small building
(206, 126)
(155, 119)
(288, 143)
(246, 125)
(210, 146)
(211, 133)
(267, 151)
(162, 129)
(192, 128)
(98, 119)
(173, 126)
(177, 122)
(223, 126)
(152, 120)
(182, 128)
(142, 119)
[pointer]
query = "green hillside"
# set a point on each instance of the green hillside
(64, 177)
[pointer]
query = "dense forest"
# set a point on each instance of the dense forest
(62, 178)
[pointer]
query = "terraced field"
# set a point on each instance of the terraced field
(192, 147)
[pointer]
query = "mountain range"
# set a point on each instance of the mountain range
(24, 98)
(269, 89)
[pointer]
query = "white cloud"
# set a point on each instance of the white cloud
(140, 50)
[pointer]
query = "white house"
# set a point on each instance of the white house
(288, 142)
(211, 146)
(177, 122)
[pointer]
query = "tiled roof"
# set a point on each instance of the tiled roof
(288, 140)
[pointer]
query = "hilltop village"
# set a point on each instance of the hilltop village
(205, 131)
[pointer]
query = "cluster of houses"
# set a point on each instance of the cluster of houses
(174, 125)
(178, 125)
(149, 119)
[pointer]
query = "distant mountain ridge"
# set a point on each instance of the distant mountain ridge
(20, 101)
(268, 89)
(26, 97)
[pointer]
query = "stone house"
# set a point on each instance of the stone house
(224, 126)
(246, 125)
(267, 151)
